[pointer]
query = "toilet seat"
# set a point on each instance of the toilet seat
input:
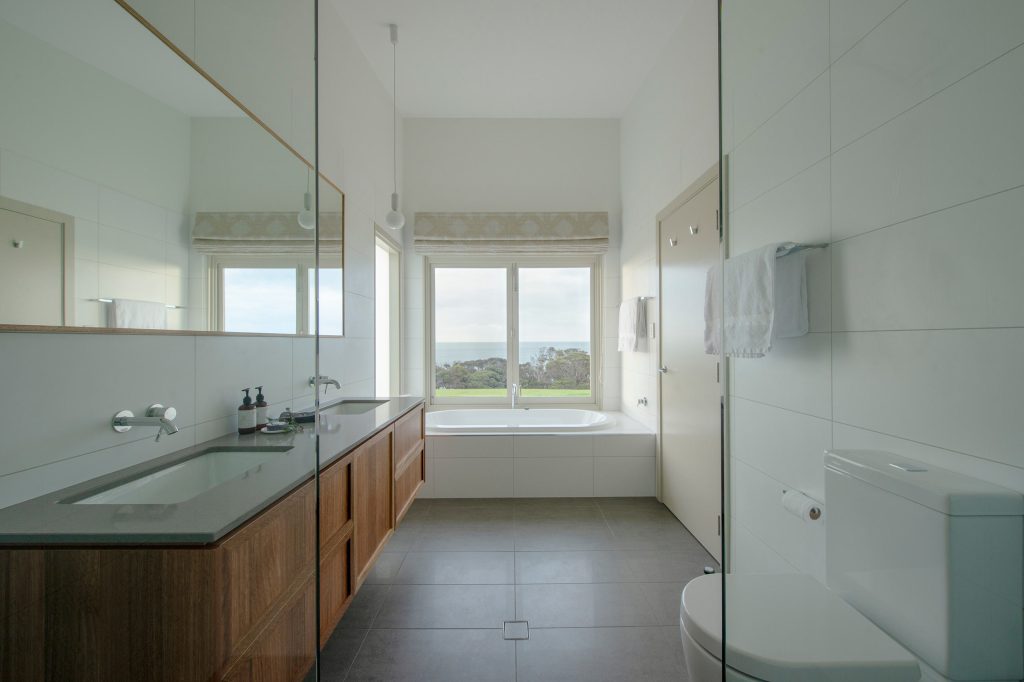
(791, 628)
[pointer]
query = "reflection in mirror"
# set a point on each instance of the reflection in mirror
(135, 194)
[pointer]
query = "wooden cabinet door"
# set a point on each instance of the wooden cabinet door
(335, 586)
(373, 512)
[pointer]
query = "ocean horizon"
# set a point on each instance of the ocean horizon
(448, 352)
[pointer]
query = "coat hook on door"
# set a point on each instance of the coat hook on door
(672, 241)
(694, 229)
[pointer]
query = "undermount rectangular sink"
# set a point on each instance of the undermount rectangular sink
(353, 406)
(182, 481)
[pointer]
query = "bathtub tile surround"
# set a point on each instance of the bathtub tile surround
(917, 187)
(613, 461)
(604, 614)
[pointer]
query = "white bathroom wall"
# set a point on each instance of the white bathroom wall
(509, 165)
(113, 158)
(891, 130)
(669, 139)
(60, 390)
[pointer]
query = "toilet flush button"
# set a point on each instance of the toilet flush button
(911, 468)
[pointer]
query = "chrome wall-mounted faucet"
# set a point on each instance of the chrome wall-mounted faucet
(324, 381)
(515, 395)
(156, 415)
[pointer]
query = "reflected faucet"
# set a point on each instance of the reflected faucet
(515, 395)
(324, 381)
(156, 415)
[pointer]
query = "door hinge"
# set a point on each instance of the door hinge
(718, 372)
(719, 525)
(718, 224)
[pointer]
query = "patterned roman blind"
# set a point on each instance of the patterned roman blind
(511, 232)
(263, 233)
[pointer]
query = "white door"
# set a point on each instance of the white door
(691, 481)
(32, 269)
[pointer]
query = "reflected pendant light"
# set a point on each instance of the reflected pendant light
(394, 219)
(307, 219)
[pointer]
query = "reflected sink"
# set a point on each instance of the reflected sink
(182, 481)
(352, 407)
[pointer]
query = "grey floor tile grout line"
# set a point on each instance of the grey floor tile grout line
(348, 670)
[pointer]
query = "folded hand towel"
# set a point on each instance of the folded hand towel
(125, 313)
(632, 324)
(758, 300)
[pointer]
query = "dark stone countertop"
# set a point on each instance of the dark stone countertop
(206, 518)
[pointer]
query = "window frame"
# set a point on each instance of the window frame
(303, 266)
(512, 264)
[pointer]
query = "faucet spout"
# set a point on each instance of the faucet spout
(324, 381)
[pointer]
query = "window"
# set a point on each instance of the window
(528, 323)
(274, 295)
(387, 315)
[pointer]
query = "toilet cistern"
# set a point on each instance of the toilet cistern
(156, 415)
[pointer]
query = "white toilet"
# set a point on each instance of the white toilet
(922, 564)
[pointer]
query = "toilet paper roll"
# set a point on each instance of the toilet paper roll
(799, 505)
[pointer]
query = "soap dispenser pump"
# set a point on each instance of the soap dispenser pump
(261, 408)
(246, 415)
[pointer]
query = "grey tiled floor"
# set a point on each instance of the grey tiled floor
(597, 579)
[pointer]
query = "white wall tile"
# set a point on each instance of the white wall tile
(470, 446)
(758, 506)
(131, 250)
(955, 389)
(86, 239)
(750, 554)
(943, 152)
(462, 477)
(114, 281)
(787, 446)
(88, 378)
(624, 445)
(226, 364)
(575, 445)
(35, 183)
(774, 50)
(792, 141)
(554, 477)
(795, 375)
(849, 21)
(924, 46)
(956, 268)
(624, 476)
(128, 213)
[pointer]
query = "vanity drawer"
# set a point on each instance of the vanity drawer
(335, 499)
(408, 480)
(408, 436)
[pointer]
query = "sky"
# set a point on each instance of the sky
(554, 304)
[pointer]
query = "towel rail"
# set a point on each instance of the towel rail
(110, 300)
(787, 249)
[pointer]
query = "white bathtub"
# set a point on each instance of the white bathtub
(536, 420)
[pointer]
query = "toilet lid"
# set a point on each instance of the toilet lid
(791, 628)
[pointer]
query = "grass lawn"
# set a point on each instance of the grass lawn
(526, 393)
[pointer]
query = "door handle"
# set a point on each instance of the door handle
(663, 369)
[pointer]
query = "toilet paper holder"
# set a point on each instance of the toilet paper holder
(811, 509)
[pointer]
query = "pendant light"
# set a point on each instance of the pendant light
(306, 217)
(394, 219)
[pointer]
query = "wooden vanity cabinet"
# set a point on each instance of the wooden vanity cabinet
(410, 460)
(374, 515)
(240, 609)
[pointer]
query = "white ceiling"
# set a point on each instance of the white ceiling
(514, 58)
(104, 35)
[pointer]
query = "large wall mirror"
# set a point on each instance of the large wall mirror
(137, 193)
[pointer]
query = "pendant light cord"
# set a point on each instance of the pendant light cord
(394, 109)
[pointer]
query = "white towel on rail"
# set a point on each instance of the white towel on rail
(763, 298)
(124, 313)
(632, 324)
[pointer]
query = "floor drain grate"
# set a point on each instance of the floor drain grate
(517, 629)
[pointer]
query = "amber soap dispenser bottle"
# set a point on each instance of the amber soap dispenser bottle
(246, 415)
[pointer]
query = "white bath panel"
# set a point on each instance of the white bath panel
(554, 477)
(463, 477)
(624, 476)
